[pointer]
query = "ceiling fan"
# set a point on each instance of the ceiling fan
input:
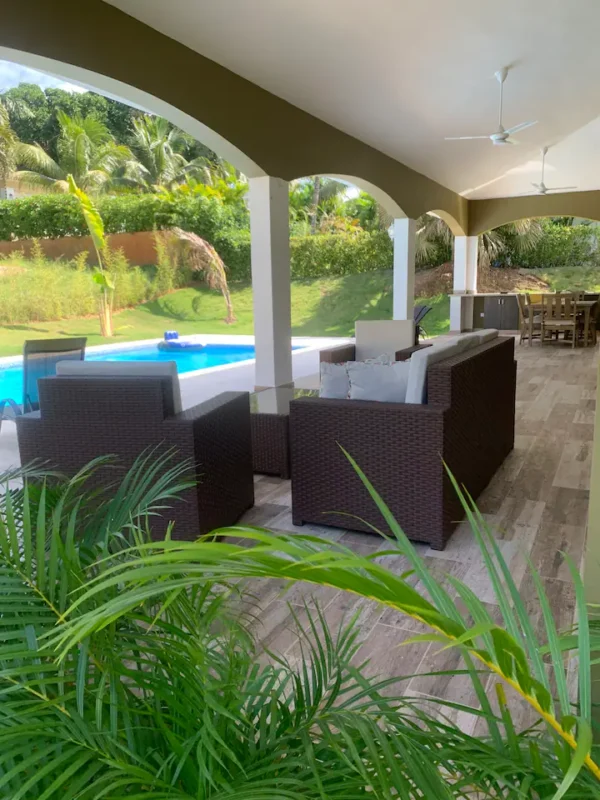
(541, 188)
(502, 135)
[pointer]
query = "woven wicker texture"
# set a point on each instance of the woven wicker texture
(468, 422)
(83, 418)
(270, 444)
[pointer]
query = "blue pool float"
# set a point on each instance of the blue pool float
(172, 343)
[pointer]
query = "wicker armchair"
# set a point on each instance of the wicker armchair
(82, 418)
(468, 423)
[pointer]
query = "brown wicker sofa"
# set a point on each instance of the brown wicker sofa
(347, 352)
(468, 422)
(83, 418)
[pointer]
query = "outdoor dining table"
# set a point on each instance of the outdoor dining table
(583, 305)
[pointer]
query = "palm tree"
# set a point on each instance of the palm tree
(312, 197)
(178, 247)
(520, 236)
(86, 150)
(101, 275)
(158, 148)
(8, 143)
(155, 144)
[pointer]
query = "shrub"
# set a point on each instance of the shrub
(561, 246)
(224, 226)
(54, 290)
(340, 254)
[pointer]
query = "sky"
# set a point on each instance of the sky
(13, 74)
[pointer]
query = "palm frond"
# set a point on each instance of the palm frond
(34, 158)
(129, 668)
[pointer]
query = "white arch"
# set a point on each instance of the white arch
(124, 92)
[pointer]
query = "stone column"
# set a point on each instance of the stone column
(270, 249)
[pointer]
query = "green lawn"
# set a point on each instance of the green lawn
(568, 279)
(325, 307)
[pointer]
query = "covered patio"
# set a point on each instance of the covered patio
(280, 123)
(537, 505)
(279, 92)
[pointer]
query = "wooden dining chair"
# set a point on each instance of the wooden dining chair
(559, 315)
(529, 322)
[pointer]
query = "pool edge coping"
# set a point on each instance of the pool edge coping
(304, 344)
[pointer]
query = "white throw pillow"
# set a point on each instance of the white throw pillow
(381, 382)
(335, 383)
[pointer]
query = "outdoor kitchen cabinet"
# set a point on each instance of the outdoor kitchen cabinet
(499, 311)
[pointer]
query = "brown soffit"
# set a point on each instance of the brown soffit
(280, 138)
(487, 214)
(283, 140)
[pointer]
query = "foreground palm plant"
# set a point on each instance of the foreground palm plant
(126, 671)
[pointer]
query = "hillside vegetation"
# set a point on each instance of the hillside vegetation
(325, 307)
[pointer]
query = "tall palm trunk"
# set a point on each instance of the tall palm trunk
(316, 199)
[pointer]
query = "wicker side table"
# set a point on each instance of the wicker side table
(270, 428)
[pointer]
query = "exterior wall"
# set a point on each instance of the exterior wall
(21, 189)
(138, 247)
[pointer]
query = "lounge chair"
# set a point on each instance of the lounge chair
(125, 409)
(40, 357)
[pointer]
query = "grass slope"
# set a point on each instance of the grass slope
(325, 307)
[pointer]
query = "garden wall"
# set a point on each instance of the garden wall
(138, 247)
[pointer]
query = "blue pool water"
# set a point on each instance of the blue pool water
(213, 355)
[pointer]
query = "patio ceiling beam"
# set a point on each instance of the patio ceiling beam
(487, 214)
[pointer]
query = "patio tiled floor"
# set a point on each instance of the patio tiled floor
(537, 505)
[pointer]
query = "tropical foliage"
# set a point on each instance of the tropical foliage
(34, 113)
(130, 668)
(102, 276)
(159, 162)
(8, 141)
(112, 149)
(179, 250)
(85, 150)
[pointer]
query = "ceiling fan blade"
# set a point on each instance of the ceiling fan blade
(559, 188)
(462, 138)
(521, 127)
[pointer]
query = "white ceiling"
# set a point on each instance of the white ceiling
(402, 75)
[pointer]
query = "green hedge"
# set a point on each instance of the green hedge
(340, 254)
(53, 216)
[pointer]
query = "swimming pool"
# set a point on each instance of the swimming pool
(213, 355)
